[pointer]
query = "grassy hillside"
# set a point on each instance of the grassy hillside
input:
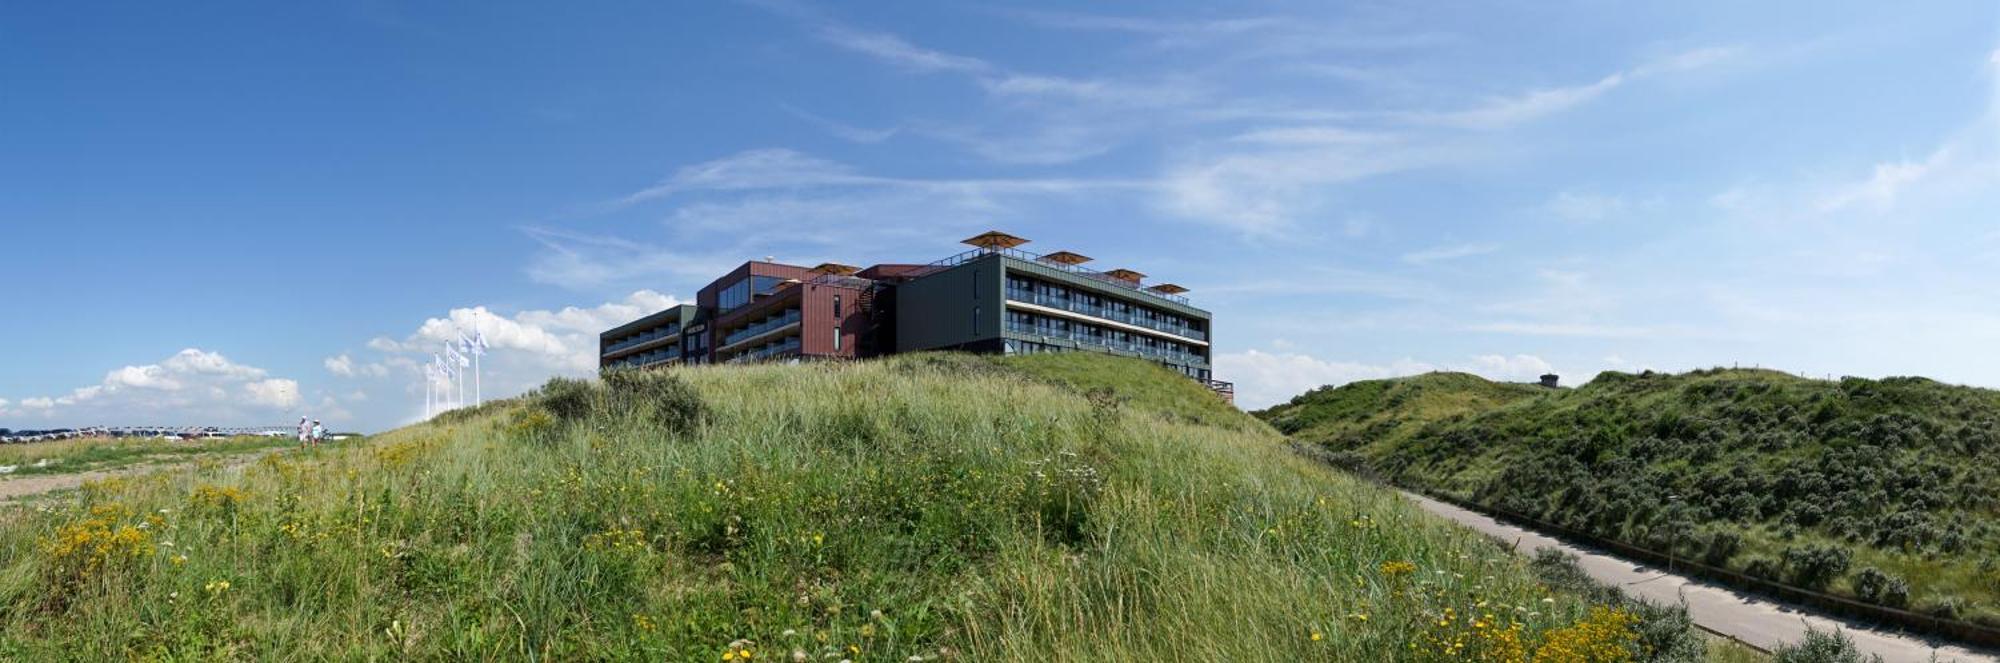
(1387, 412)
(1871, 488)
(939, 507)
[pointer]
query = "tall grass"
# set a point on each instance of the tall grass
(929, 506)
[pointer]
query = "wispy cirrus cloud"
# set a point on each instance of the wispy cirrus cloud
(1448, 252)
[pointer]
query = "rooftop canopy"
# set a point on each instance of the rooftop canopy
(1125, 275)
(1168, 288)
(993, 240)
(1066, 258)
(835, 269)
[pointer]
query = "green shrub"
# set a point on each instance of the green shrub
(1765, 568)
(663, 399)
(1722, 544)
(1875, 586)
(1814, 566)
(1822, 647)
(569, 399)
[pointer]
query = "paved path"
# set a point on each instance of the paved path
(1759, 622)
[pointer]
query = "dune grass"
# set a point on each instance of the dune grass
(936, 506)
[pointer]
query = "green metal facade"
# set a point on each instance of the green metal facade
(965, 307)
(953, 308)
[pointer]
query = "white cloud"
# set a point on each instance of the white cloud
(894, 50)
(1585, 207)
(841, 130)
(1453, 252)
(192, 386)
(562, 340)
(1268, 378)
(275, 393)
(384, 344)
(1516, 368)
(1166, 28)
(1504, 112)
(1311, 135)
(1532, 105)
(345, 366)
(1888, 181)
(1563, 329)
(144, 377)
(1269, 191)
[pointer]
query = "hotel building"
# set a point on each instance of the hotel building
(994, 298)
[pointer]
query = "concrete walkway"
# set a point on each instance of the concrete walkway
(1759, 622)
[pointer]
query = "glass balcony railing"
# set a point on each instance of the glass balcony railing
(790, 316)
(648, 337)
(1075, 305)
(1094, 275)
(1101, 341)
(788, 346)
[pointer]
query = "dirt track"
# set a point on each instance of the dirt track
(36, 484)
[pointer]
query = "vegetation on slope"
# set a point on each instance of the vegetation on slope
(1868, 488)
(935, 506)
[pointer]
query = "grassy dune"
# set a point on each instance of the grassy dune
(937, 506)
(1874, 489)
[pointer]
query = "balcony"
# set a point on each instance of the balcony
(790, 316)
(1138, 349)
(1074, 305)
(1036, 258)
(642, 339)
(790, 345)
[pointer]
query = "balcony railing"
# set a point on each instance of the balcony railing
(1085, 272)
(1140, 349)
(1073, 305)
(789, 345)
(648, 337)
(790, 316)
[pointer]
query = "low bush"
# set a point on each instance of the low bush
(1875, 586)
(1814, 566)
(1822, 647)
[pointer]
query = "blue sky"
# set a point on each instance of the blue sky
(240, 213)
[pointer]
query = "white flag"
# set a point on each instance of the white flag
(464, 344)
(479, 343)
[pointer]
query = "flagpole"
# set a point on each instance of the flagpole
(477, 352)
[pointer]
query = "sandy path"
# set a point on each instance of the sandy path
(36, 484)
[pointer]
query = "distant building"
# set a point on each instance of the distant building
(994, 298)
(1550, 379)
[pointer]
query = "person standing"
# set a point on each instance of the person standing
(318, 433)
(304, 432)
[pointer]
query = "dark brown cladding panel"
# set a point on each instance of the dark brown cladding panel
(818, 321)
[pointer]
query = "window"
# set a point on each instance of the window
(975, 321)
(836, 338)
(733, 295)
(836, 307)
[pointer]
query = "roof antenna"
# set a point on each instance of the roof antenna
(770, 258)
